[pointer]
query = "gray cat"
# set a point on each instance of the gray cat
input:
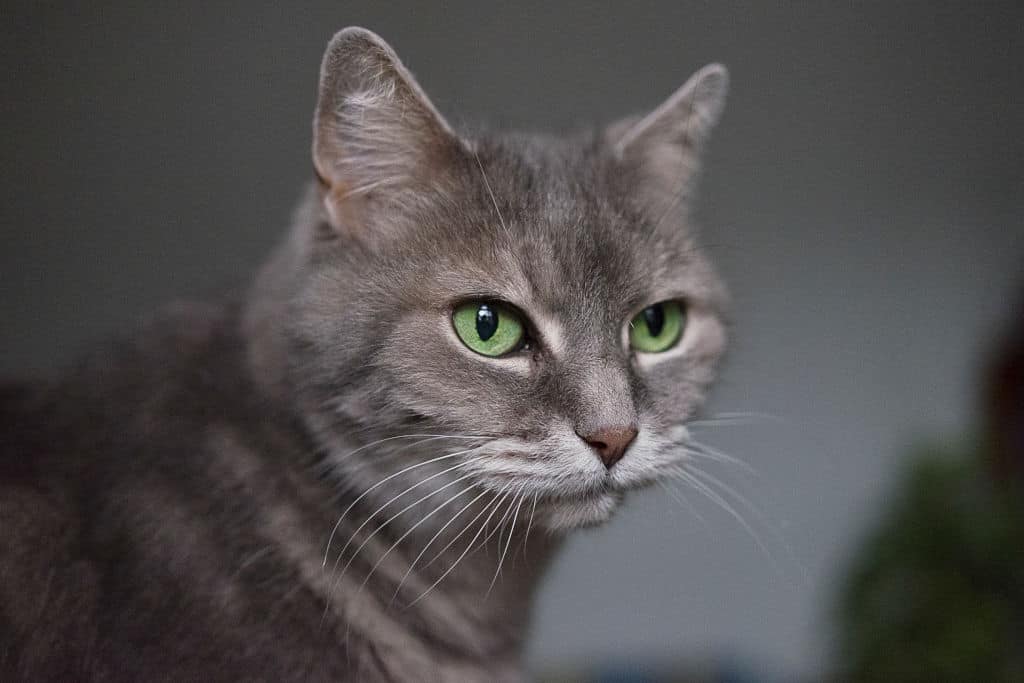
(468, 345)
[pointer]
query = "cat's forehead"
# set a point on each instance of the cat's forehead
(543, 226)
(573, 208)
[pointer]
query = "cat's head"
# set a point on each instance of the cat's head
(531, 312)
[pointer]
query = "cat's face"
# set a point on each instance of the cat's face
(532, 312)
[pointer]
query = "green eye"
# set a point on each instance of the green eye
(657, 328)
(488, 328)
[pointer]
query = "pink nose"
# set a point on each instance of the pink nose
(610, 443)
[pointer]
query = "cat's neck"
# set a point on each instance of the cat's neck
(461, 576)
(485, 601)
(465, 588)
(268, 300)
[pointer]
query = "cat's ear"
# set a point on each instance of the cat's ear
(378, 142)
(664, 147)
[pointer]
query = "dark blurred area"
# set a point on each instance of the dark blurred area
(937, 591)
(1004, 405)
(862, 197)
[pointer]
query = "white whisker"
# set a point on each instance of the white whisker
(458, 559)
(712, 495)
(433, 538)
(380, 483)
(529, 524)
(504, 552)
(772, 529)
(490, 192)
(675, 494)
(377, 459)
(349, 454)
(402, 511)
(413, 528)
(499, 526)
(495, 501)
(747, 415)
(697, 449)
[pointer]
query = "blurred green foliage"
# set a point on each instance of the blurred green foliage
(936, 592)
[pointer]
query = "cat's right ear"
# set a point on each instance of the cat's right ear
(378, 142)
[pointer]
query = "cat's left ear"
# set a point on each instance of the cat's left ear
(379, 145)
(664, 147)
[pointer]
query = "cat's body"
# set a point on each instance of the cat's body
(324, 479)
(183, 536)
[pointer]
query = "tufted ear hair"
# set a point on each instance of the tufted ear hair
(379, 144)
(664, 147)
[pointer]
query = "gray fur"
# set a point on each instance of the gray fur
(245, 490)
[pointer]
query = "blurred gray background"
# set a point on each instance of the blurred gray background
(863, 196)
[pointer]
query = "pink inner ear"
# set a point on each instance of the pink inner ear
(333, 208)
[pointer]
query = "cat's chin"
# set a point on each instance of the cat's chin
(567, 514)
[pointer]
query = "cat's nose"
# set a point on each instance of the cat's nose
(610, 443)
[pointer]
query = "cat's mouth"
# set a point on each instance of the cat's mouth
(565, 488)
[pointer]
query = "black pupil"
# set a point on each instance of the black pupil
(654, 316)
(486, 322)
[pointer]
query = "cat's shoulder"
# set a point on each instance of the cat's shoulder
(84, 460)
(186, 353)
(42, 574)
(170, 375)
